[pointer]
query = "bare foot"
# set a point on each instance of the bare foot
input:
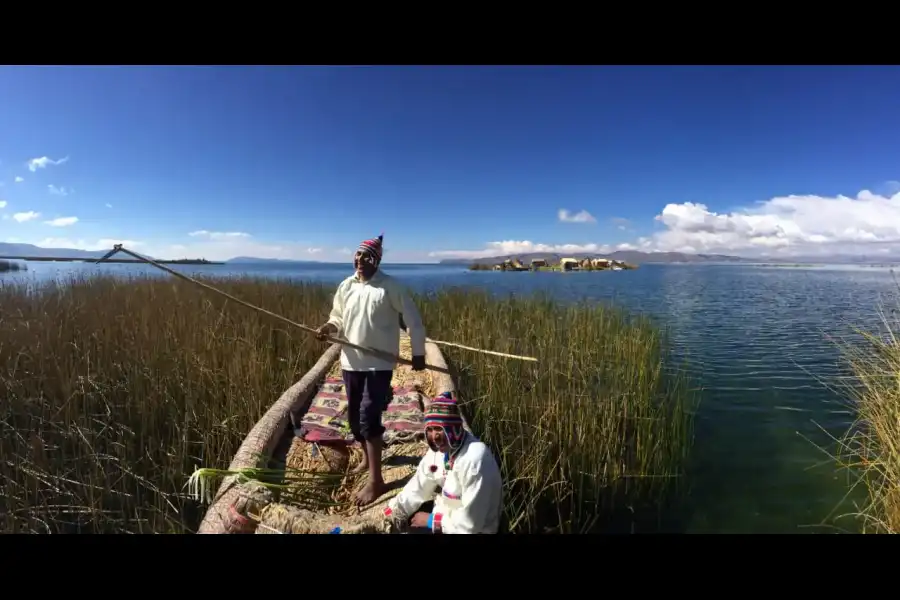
(361, 468)
(370, 493)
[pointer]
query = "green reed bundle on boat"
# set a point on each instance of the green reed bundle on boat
(297, 487)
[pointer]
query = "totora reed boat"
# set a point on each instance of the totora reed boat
(293, 472)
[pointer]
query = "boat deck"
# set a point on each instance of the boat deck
(321, 443)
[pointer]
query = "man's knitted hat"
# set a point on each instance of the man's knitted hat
(443, 412)
(372, 247)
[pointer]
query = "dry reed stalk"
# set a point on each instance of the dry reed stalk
(871, 447)
(336, 340)
(319, 458)
(114, 390)
(399, 464)
(280, 518)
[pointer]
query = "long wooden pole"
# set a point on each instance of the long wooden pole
(119, 248)
(387, 355)
(503, 354)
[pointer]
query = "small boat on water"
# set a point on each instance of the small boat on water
(303, 454)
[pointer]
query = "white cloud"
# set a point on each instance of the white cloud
(582, 217)
(101, 244)
(219, 235)
(43, 162)
(620, 223)
(2, 203)
(108, 205)
(22, 217)
(62, 221)
(889, 188)
(19, 179)
(214, 248)
(58, 191)
(781, 226)
(224, 247)
(784, 224)
(525, 247)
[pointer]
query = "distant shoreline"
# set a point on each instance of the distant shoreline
(183, 261)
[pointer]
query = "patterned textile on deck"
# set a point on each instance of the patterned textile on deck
(404, 419)
(326, 421)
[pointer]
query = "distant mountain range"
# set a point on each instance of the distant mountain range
(237, 260)
(630, 256)
(31, 250)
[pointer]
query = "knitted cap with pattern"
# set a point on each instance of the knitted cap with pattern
(373, 247)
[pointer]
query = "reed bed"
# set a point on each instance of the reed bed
(116, 390)
(870, 450)
(598, 428)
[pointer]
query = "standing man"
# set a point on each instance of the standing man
(368, 309)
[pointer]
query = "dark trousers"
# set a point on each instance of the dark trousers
(368, 395)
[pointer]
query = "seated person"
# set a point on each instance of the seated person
(464, 469)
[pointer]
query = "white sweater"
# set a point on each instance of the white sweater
(367, 313)
(471, 492)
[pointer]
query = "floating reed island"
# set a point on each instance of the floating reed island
(563, 264)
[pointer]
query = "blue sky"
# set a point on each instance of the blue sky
(304, 162)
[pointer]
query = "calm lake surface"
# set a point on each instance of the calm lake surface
(757, 339)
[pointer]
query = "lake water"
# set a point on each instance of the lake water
(756, 338)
